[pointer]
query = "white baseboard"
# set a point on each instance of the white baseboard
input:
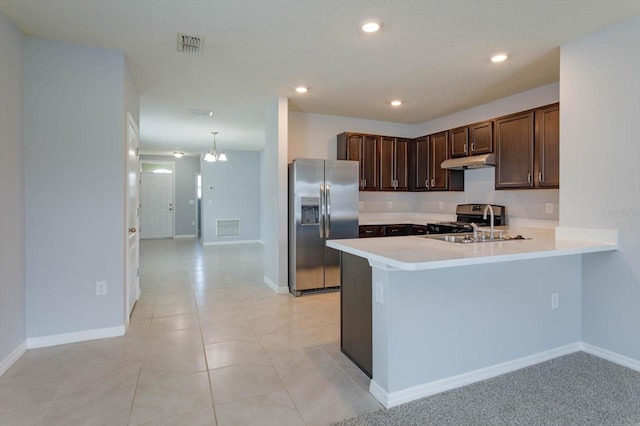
(78, 336)
(185, 236)
(614, 357)
(275, 287)
(15, 354)
(391, 399)
(224, 243)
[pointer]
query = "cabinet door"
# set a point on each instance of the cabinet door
(548, 147)
(420, 164)
(481, 138)
(459, 139)
(419, 230)
(387, 163)
(438, 153)
(514, 151)
(402, 165)
(370, 163)
(366, 231)
(396, 230)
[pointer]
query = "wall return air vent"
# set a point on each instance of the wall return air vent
(227, 228)
(190, 44)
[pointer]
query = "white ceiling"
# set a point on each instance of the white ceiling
(432, 54)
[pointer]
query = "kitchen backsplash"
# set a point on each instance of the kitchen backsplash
(479, 188)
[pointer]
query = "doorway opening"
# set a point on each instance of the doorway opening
(157, 183)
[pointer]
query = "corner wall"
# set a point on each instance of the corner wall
(74, 113)
(600, 173)
(274, 195)
(12, 210)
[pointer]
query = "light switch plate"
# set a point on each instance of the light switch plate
(548, 208)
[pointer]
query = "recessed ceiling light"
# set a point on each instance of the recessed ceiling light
(396, 103)
(371, 26)
(499, 57)
(178, 154)
(302, 89)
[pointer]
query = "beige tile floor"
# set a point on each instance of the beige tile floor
(208, 344)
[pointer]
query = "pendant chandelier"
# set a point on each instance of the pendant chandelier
(212, 155)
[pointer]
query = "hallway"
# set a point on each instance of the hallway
(208, 344)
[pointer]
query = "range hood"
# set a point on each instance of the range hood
(472, 162)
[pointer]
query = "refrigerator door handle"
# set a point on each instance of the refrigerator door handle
(328, 208)
(322, 207)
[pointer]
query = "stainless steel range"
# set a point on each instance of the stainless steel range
(466, 214)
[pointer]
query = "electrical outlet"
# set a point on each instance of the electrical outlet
(555, 301)
(101, 288)
(440, 205)
(390, 204)
(360, 205)
(379, 293)
(548, 208)
(193, 223)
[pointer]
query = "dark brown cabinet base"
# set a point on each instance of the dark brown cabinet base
(355, 311)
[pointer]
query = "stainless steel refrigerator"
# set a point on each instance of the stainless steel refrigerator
(323, 205)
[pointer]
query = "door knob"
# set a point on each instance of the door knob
(132, 230)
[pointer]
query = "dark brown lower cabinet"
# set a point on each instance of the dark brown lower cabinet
(355, 311)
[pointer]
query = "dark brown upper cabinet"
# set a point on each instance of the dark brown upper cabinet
(474, 139)
(527, 149)
(427, 153)
(514, 151)
(459, 142)
(547, 142)
(364, 149)
(394, 171)
(438, 149)
(481, 138)
(419, 164)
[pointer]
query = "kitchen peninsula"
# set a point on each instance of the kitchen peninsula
(445, 315)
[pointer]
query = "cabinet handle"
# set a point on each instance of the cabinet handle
(473, 146)
(529, 178)
(426, 183)
(465, 148)
(433, 182)
(364, 183)
(540, 177)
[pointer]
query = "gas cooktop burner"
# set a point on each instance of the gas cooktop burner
(465, 215)
(453, 223)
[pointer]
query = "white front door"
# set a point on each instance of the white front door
(157, 205)
(133, 216)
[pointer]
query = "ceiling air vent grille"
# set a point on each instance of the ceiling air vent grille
(190, 44)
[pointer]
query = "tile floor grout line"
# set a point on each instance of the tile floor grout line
(204, 352)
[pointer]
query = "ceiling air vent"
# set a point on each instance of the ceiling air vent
(190, 44)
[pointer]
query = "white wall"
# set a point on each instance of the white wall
(274, 195)
(600, 173)
(314, 136)
(231, 190)
(185, 171)
(75, 101)
(12, 240)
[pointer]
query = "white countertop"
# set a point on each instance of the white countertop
(414, 253)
